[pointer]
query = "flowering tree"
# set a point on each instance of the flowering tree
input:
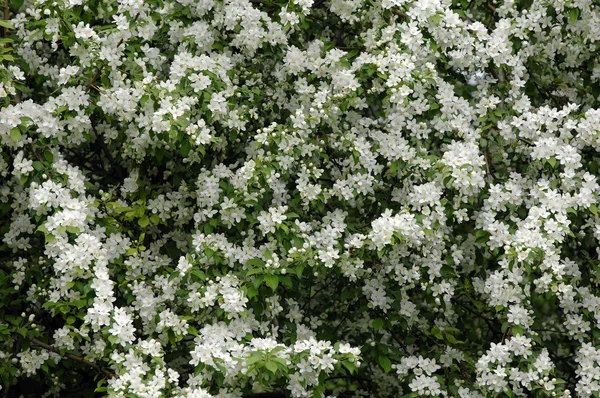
(377, 198)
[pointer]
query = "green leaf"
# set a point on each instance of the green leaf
(451, 339)
(199, 274)
(15, 134)
(517, 330)
(256, 262)
(481, 236)
(277, 349)
(594, 209)
(298, 271)
(73, 230)
(385, 363)
(350, 366)
(144, 221)
(16, 4)
(255, 271)
(258, 280)
(251, 291)
(378, 323)
(574, 14)
(186, 147)
(6, 24)
(436, 19)
(172, 337)
(254, 358)
(272, 281)
(271, 366)
(80, 303)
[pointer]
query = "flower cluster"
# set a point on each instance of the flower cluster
(315, 198)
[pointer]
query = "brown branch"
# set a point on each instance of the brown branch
(95, 76)
(525, 141)
(48, 347)
(487, 165)
(506, 334)
(399, 13)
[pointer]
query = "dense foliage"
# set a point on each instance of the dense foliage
(349, 198)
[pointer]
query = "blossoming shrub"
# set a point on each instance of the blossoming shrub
(318, 198)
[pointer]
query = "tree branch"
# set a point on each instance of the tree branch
(48, 347)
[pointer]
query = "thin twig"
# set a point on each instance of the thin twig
(526, 141)
(351, 377)
(505, 334)
(487, 165)
(487, 320)
(554, 100)
(48, 347)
